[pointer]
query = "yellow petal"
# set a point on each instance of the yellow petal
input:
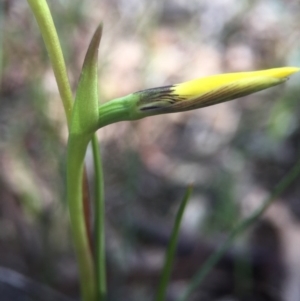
(204, 85)
(210, 90)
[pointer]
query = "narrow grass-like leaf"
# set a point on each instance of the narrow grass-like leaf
(292, 175)
(169, 258)
(44, 19)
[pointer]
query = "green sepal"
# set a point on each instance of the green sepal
(85, 110)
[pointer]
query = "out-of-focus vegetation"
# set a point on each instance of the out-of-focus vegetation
(234, 153)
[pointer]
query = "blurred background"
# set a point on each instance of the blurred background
(234, 153)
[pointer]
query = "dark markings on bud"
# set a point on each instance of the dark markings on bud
(161, 98)
(149, 108)
(164, 100)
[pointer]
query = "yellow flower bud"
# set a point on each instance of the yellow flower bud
(210, 90)
(190, 95)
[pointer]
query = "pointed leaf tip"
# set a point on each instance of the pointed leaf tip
(92, 53)
(85, 110)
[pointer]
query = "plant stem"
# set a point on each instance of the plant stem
(169, 258)
(99, 222)
(44, 19)
(87, 210)
(77, 145)
(79, 229)
(242, 226)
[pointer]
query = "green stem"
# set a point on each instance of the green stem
(77, 145)
(44, 19)
(115, 110)
(169, 258)
(2, 24)
(242, 226)
(99, 222)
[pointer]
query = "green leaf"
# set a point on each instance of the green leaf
(170, 254)
(83, 125)
(85, 111)
(214, 258)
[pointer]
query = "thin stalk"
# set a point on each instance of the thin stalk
(240, 228)
(87, 210)
(79, 226)
(75, 163)
(44, 19)
(2, 23)
(99, 222)
(169, 258)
